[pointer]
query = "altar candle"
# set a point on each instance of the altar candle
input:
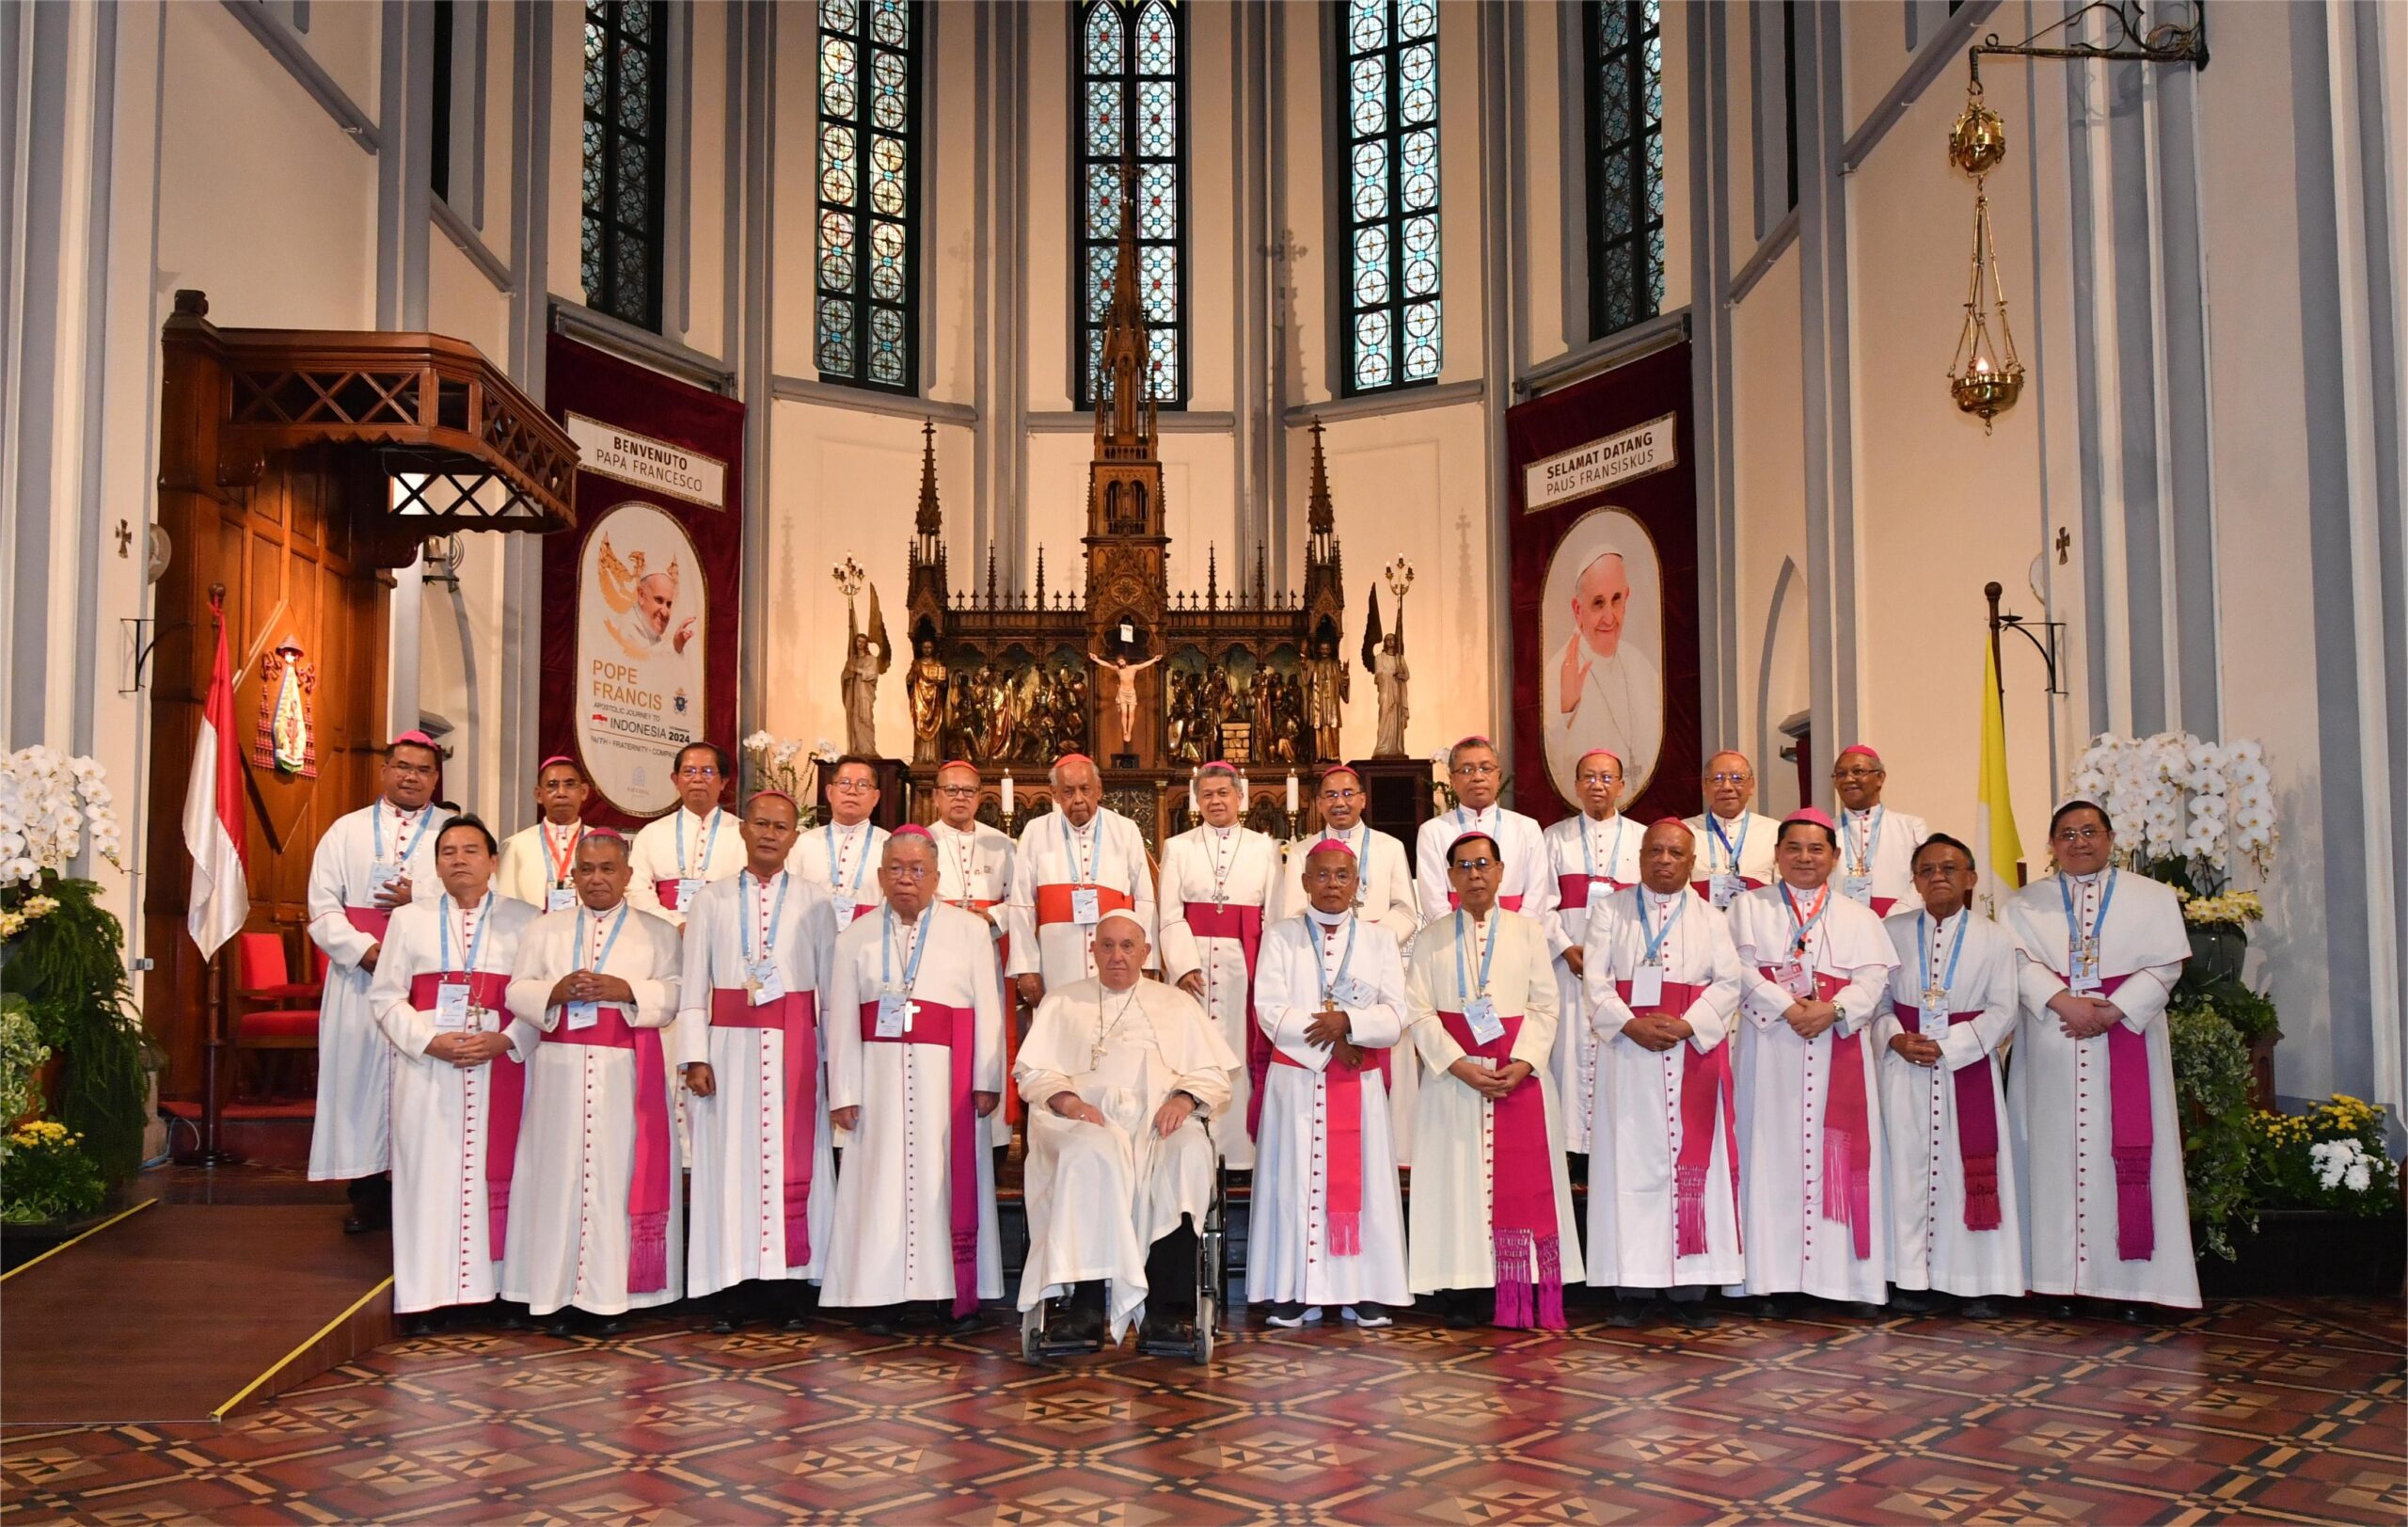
(1291, 792)
(1007, 794)
(1194, 808)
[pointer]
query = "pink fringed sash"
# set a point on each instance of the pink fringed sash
(648, 1184)
(795, 1017)
(1521, 1181)
(1977, 1129)
(957, 1030)
(507, 1077)
(1705, 1098)
(1848, 1130)
(1345, 1146)
(2132, 1135)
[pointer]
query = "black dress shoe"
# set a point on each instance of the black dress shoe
(878, 1322)
(2136, 1314)
(1173, 1330)
(607, 1325)
(1978, 1310)
(1693, 1314)
(559, 1323)
(968, 1325)
(367, 1217)
(1769, 1307)
(798, 1321)
(723, 1323)
(418, 1323)
(1628, 1314)
(506, 1315)
(2063, 1310)
(1914, 1301)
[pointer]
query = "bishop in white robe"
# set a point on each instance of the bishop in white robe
(1734, 842)
(840, 856)
(441, 997)
(596, 1219)
(1939, 1030)
(674, 856)
(2095, 1129)
(1120, 1074)
(1876, 844)
(1591, 855)
(1073, 865)
(1662, 984)
(1328, 1223)
(539, 862)
(975, 873)
(1217, 881)
(1491, 1203)
(764, 1184)
(1524, 884)
(1814, 965)
(366, 864)
(915, 1060)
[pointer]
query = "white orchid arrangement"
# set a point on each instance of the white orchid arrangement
(785, 764)
(2175, 796)
(49, 805)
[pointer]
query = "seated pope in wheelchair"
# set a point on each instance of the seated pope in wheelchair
(1120, 1076)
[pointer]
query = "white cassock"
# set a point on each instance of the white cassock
(1099, 1195)
(1491, 1204)
(597, 1215)
(537, 864)
(445, 969)
(1663, 1161)
(975, 873)
(1815, 1217)
(1525, 885)
(763, 1171)
(842, 862)
(1384, 893)
(1328, 1224)
(1062, 878)
(916, 1025)
(1620, 708)
(1215, 895)
(2104, 1216)
(1954, 1220)
(1877, 859)
(1734, 854)
(673, 857)
(1588, 860)
(352, 1134)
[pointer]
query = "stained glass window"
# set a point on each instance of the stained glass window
(627, 67)
(1132, 69)
(867, 329)
(1626, 163)
(1387, 94)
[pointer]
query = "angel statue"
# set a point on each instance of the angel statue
(1385, 656)
(866, 659)
(1124, 691)
(924, 682)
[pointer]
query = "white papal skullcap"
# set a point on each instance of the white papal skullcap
(1124, 914)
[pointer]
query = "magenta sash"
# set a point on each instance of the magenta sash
(372, 921)
(1976, 1128)
(648, 1184)
(795, 1018)
(2132, 1133)
(1345, 1145)
(1522, 1229)
(1848, 1130)
(956, 1028)
(1244, 924)
(1881, 905)
(1706, 1096)
(490, 990)
(666, 891)
(1572, 891)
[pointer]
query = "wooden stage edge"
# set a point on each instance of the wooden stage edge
(186, 1313)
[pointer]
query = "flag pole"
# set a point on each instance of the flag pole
(212, 1153)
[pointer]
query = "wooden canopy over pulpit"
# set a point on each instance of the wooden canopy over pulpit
(297, 468)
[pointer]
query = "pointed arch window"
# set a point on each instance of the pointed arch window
(626, 70)
(1625, 134)
(1132, 72)
(1388, 91)
(865, 328)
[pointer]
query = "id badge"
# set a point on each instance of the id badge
(560, 899)
(1794, 978)
(1934, 1017)
(1354, 992)
(584, 1014)
(1087, 906)
(688, 889)
(382, 879)
(1857, 888)
(1726, 890)
(894, 1016)
(1647, 987)
(452, 1005)
(2083, 983)
(768, 985)
(1480, 1014)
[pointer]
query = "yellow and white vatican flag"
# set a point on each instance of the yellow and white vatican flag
(1995, 840)
(221, 893)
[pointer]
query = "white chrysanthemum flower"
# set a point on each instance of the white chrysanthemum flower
(2357, 1177)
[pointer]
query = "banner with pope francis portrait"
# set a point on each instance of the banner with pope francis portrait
(1604, 529)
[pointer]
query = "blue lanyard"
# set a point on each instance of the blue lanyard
(1589, 853)
(709, 843)
(476, 941)
(608, 943)
(377, 833)
(886, 954)
(1463, 971)
(1805, 925)
(2075, 937)
(1731, 850)
(1873, 820)
(1923, 925)
(769, 939)
(1655, 936)
(831, 830)
(1085, 871)
(1331, 983)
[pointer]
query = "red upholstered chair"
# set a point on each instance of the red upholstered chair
(271, 1013)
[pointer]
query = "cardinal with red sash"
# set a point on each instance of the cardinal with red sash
(1072, 865)
(1217, 883)
(2096, 1134)
(673, 857)
(366, 864)
(975, 873)
(1524, 881)
(1661, 987)
(1490, 1207)
(915, 1062)
(441, 996)
(1954, 1223)
(1328, 1225)
(1814, 965)
(596, 1219)
(1590, 855)
(748, 1045)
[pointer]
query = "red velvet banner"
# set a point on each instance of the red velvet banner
(1604, 532)
(641, 602)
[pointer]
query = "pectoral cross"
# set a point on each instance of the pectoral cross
(1934, 998)
(911, 1011)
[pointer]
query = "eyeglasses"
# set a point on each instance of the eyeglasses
(1331, 872)
(1729, 779)
(852, 786)
(1598, 776)
(1474, 864)
(908, 871)
(1939, 867)
(956, 791)
(2079, 834)
(1476, 770)
(698, 771)
(1342, 795)
(1856, 773)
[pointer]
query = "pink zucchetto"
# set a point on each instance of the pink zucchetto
(1329, 845)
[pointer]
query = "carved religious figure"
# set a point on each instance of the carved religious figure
(1124, 691)
(866, 659)
(1328, 685)
(925, 684)
(1390, 675)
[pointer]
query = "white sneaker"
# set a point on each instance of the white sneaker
(1368, 1316)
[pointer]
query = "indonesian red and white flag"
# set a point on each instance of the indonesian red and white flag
(221, 892)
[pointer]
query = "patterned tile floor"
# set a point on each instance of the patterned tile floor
(2263, 1412)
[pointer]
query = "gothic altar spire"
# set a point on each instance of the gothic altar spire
(1125, 386)
(931, 523)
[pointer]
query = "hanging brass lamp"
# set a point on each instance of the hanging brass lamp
(1984, 377)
